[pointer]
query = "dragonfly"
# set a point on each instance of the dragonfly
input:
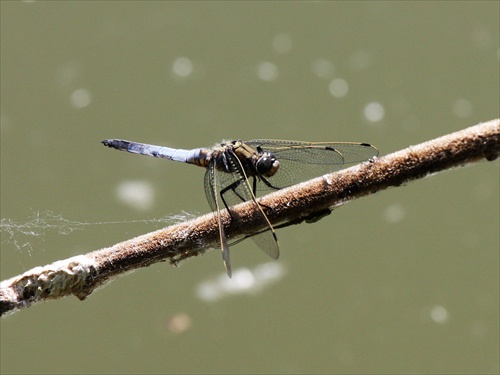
(239, 171)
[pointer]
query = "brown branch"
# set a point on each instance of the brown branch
(81, 275)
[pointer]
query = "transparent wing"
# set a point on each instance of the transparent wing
(226, 189)
(301, 161)
(211, 193)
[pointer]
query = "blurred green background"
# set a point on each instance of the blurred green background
(405, 281)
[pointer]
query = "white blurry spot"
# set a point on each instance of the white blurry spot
(80, 98)
(282, 43)
(439, 314)
(323, 68)
(462, 108)
(267, 71)
(136, 194)
(182, 67)
(374, 112)
(394, 213)
(244, 280)
(482, 38)
(179, 323)
(338, 88)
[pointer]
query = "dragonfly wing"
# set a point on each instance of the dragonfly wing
(301, 161)
(233, 187)
(211, 192)
(267, 241)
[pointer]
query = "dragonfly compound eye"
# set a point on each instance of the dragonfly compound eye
(267, 165)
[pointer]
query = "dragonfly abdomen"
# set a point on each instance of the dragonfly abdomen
(196, 156)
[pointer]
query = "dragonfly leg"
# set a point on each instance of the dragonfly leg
(232, 187)
(265, 181)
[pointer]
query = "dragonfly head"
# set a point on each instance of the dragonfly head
(267, 164)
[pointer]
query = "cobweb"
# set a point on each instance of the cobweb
(19, 234)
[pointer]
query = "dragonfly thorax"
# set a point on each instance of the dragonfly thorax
(267, 164)
(254, 161)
